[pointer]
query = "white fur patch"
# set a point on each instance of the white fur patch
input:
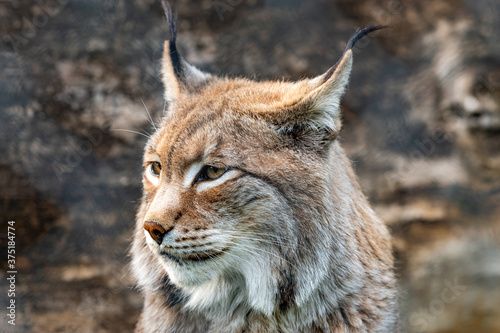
(213, 183)
(260, 282)
(150, 241)
(192, 173)
(194, 74)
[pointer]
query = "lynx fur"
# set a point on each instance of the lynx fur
(252, 219)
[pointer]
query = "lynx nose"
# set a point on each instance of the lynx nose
(156, 231)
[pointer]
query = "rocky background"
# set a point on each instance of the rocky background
(421, 124)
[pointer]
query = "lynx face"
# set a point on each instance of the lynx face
(207, 189)
(216, 180)
(251, 214)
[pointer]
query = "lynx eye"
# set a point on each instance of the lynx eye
(210, 172)
(155, 169)
(214, 172)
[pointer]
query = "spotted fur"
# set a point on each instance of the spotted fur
(284, 240)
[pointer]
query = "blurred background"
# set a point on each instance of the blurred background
(421, 125)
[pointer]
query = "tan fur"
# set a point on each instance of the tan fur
(284, 241)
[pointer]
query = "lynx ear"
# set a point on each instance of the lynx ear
(319, 109)
(178, 76)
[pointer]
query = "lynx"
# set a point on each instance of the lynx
(252, 219)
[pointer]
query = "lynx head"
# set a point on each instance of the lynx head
(246, 188)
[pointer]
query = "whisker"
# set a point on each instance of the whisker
(252, 248)
(244, 232)
(145, 132)
(238, 232)
(248, 232)
(273, 263)
(149, 114)
(261, 240)
(275, 241)
(126, 130)
(214, 261)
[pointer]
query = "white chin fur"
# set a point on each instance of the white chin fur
(192, 275)
(238, 277)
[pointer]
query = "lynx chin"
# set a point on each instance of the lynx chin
(252, 219)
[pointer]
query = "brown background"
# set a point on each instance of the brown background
(421, 124)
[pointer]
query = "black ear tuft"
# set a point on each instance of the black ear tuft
(175, 57)
(362, 33)
(178, 76)
(171, 21)
(350, 44)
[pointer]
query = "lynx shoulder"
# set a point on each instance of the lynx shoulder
(252, 219)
